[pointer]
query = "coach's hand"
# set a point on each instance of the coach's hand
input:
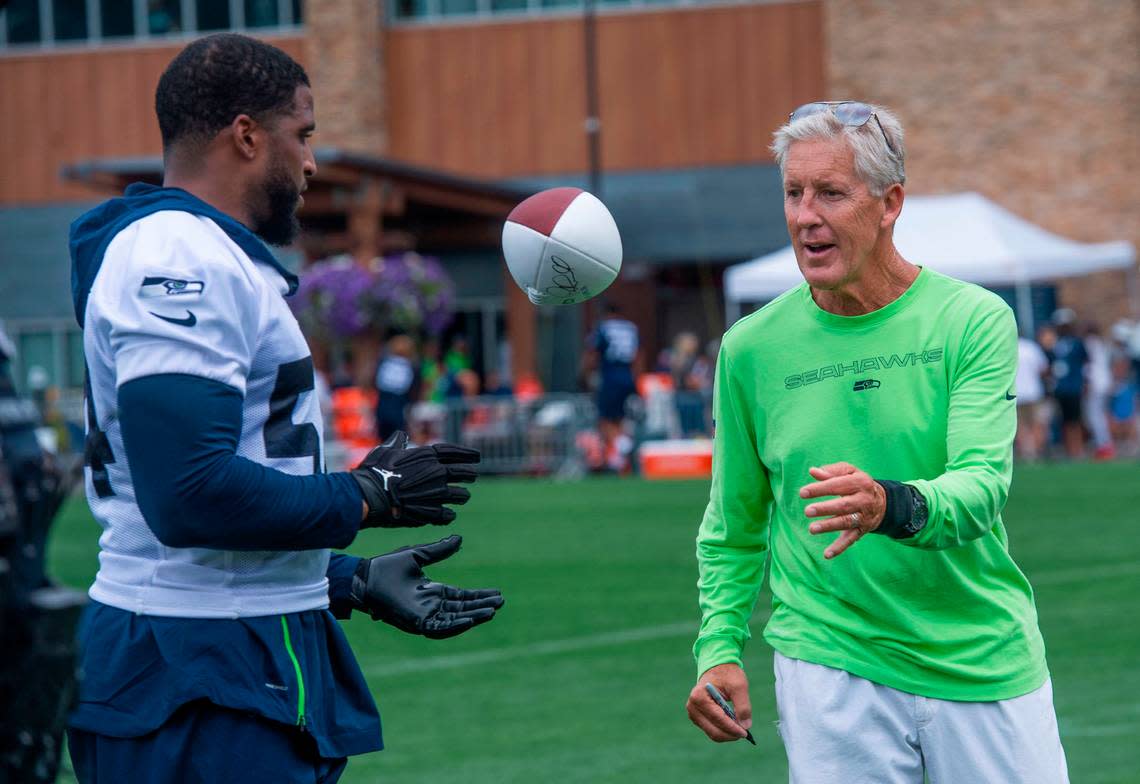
(393, 588)
(730, 680)
(857, 510)
(407, 488)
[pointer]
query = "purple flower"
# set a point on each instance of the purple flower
(338, 298)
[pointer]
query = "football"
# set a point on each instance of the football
(562, 246)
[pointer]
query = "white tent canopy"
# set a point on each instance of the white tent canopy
(964, 235)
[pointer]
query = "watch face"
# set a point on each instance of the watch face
(919, 512)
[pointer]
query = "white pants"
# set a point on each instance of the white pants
(841, 729)
(1096, 417)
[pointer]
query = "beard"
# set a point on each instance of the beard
(277, 222)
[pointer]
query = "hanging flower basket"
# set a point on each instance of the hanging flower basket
(340, 299)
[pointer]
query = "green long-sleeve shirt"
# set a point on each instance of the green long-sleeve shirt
(919, 391)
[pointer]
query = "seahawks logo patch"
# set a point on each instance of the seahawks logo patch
(169, 287)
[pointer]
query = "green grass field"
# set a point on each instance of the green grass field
(584, 674)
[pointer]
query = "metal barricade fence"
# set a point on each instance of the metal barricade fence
(535, 436)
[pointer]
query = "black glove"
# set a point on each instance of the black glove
(393, 588)
(408, 488)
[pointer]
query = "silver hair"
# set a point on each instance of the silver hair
(875, 163)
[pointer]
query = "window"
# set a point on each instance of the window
(435, 10)
(411, 9)
(164, 17)
(76, 363)
(70, 18)
(117, 18)
(22, 22)
(37, 357)
(46, 23)
(262, 13)
(48, 353)
(453, 7)
(212, 15)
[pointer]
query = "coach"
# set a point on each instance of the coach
(864, 431)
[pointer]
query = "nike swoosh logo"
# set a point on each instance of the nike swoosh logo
(189, 321)
(1010, 397)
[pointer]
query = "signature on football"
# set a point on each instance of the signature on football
(564, 283)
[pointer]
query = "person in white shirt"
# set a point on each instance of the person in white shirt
(1098, 374)
(1032, 368)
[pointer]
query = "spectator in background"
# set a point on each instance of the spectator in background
(704, 367)
(1032, 370)
(495, 385)
(464, 384)
(1050, 422)
(682, 357)
(614, 348)
(1133, 349)
(704, 370)
(1069, 360)
(686, 389)
(1126, 336)
(433, 376)
(1122, 407)
(1047, 340)
(340, 375)
(1098, 388)
(458, 356)
(395, 385)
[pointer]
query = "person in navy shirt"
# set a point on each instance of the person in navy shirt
(615, 347)
(396, 386)
(1070, 356)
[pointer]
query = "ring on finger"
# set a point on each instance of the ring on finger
(855, 519)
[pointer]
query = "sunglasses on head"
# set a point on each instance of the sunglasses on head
(853, 114)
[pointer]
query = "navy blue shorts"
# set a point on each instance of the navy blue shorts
(1070, 406)
(203, 743)
(611, 399)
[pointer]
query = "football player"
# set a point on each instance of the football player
(211, 653)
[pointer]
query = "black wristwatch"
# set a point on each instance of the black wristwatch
(919, 512)
(906, 511)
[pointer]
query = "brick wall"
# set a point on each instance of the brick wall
(344, 62)
(1033, 103)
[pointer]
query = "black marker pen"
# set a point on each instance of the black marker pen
(724, 706)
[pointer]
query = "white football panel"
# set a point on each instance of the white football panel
(523, 249)
(588, 226)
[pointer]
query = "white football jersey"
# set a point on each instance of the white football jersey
(175, 294)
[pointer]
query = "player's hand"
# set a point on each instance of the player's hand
(393, 588)
(407, 488)
(858, 508)
(730, 680)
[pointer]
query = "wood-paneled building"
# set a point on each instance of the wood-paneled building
(486, 92)
(493, 94)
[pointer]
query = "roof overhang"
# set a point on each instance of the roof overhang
(408, 207)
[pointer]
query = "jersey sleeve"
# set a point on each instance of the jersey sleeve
(732, 541)
(175, 300)
(181, 434)
(965, 501)
(340, 571)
